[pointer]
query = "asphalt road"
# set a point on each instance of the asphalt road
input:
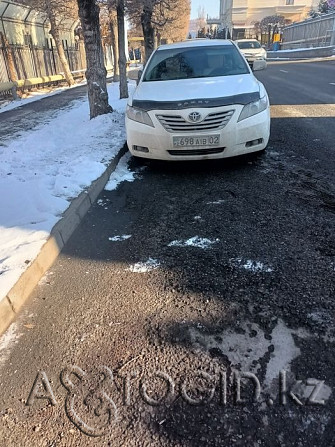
(304, 82)
(257, 297)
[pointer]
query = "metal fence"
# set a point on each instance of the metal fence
(4, 72)
(317, 32)
(32, 61)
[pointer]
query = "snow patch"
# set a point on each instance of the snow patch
(241, 349)
(253, 266)
(301, 49)
(246, 348)
(144, 267)
(304, 389)
(124, 237)
(121, 174)
(217, 202)
(195, 241)
(9, 338)
(44, 280)
(285, 351)
(102, 202)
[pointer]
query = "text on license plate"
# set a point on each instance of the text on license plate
(204, 140)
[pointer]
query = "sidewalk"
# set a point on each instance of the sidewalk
(50, 153)
(302, 53)
(22, 115)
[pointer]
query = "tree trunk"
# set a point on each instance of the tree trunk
(155, 39)
(9, 58)
(96, 71)
(113, 30)
(159, 38)
(59, 47)
(148, 32)
(122, 50)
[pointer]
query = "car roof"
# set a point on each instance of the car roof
(191, 43)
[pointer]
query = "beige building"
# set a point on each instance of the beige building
(239, 16)
(247, 12)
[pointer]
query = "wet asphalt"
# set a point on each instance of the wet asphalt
(162, 351)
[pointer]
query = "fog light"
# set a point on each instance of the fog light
(254, 142)
(140, 149)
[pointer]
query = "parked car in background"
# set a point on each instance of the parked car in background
(198, 100)
(252, 50)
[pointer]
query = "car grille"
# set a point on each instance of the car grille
(180, 152)
(213, 121)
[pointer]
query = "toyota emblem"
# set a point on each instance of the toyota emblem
(194, 117)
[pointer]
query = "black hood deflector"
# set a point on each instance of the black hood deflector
(243, 99)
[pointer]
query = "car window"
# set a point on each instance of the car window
(200, 62)
(248, 45)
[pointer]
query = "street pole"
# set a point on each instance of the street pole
(332, 39)
(226, 16)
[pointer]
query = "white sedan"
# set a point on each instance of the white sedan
(197, 100)
(252, 50)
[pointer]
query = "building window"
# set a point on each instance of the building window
(27, 39)
(289, 2)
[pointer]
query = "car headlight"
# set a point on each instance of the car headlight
(139, 115)
(253, 108)
(262, 54)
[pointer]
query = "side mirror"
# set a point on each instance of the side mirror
(259, 64)
(139, 75)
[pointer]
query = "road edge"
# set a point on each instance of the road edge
(11, 304)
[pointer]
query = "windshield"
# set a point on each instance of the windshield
(200, 62)
(248, 44)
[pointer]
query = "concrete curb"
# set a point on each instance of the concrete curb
(299, 60)
(303, 53)
(60, 234)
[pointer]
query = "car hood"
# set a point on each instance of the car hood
(251, 50)
(184, 90)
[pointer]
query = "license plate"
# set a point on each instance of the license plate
(203, 140)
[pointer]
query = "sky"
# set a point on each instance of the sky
(212, 7)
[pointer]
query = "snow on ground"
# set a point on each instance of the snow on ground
(144, 267)
(124, 237)
(42, 170)
(9, 338)
(302, 49)
(121, 174)
(284, 352)
(195, 241)
(247, 350)
(217, 202)
(253, 266)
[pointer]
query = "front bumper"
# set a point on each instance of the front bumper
(252, 58)
(236, 138)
